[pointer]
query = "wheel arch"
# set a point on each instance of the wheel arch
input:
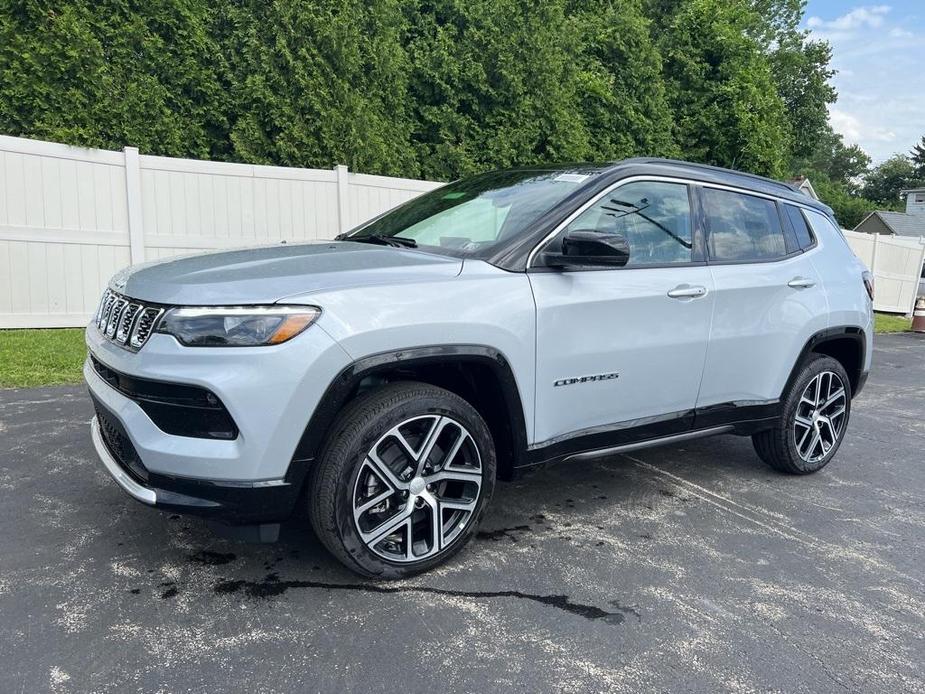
(846, 344)
(480, 374)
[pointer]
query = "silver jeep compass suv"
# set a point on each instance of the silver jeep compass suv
(512, 319)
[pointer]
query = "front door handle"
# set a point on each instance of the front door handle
(685, 291)
(801, 283)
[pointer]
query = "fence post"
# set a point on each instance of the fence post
(342, 192)
(920, 266)
(873, 255)
(136, 236)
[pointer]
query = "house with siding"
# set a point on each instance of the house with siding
(908, 223)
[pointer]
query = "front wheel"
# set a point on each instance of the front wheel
(403, 481)
(813, 422)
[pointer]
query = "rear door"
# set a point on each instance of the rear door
(621, 348)
(769, 299)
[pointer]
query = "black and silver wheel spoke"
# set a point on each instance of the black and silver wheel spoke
(820, 416)
(417, 488)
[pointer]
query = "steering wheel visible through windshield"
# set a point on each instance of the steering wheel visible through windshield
(473, 214)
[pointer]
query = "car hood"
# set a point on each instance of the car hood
(266, 275)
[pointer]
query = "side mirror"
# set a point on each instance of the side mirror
(590, 248)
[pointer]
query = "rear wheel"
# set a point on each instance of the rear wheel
(815, 415)
(403, 481)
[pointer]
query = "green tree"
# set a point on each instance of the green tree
(800, 68)
(433, 88)
(884, 182)
(918, 158)
(319, 83)
(108, 73)
(493, 84)
(620, 88)
(831, 157)
(721, 88)
(849, 207)
(801, 72)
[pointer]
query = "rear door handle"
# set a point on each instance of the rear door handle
(685, 291)
(801, 283)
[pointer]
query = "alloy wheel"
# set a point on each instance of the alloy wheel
(820, 416)
(417, 488)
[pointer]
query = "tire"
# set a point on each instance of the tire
(791, 446)
(387, 453)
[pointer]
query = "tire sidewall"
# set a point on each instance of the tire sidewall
(810, 371)
(368, 433)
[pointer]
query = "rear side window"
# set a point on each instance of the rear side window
(800, 227)
(742, 227)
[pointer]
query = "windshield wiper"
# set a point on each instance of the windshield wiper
(396, 241)
(635, 209)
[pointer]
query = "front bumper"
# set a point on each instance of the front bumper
(239, 504)
(270, 393)
(122, 477)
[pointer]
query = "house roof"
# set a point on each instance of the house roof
(900, 223)
(802, 184)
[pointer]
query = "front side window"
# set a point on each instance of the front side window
(653, 217)
(742, 227)
(474, 214)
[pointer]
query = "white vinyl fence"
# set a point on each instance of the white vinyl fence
(72, 217)
(896, 263)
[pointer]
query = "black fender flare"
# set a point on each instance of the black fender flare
(342, 387)
(829, 335)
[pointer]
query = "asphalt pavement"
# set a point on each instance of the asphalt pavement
(687, 568)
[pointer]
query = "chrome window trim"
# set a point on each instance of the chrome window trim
(670, 179)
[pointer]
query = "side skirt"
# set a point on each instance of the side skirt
(741, 418)
(652, 443)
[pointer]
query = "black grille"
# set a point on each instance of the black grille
(118, 443)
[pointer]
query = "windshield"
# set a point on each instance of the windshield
(474, 214)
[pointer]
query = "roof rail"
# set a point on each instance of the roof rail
(707, 167)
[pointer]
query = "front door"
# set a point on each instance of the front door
(624, 348)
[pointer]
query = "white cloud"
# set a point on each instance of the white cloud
(845, 124)
(854, 128)
(877, 53)
(869, 16)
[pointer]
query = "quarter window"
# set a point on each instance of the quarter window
(800, 228)
(653, 216)
(742, 227)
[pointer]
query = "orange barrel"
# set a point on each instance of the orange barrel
(918, 316)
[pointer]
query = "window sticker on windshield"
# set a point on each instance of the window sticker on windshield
(572, 178)
(453, 196)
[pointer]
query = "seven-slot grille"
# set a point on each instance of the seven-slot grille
(126, 322)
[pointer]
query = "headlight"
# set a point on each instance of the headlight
(236, 326)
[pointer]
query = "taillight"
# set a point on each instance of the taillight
(869, 284)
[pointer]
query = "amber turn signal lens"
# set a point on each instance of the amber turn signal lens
(292, 326)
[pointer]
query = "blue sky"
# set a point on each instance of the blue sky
(879, 52)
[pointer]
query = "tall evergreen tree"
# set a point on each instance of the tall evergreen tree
(435, 88)
(621, 91)
(110, 73)
(918, 158)
(721, 89)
